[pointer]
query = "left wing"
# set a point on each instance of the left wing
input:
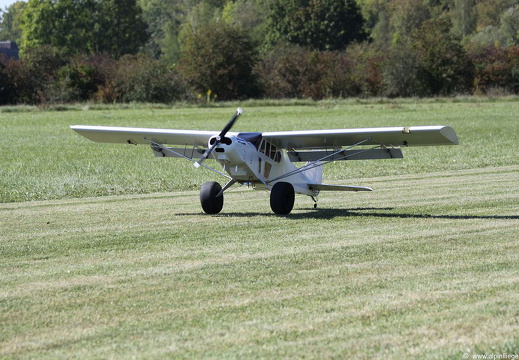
(108, 134)
(387, 136)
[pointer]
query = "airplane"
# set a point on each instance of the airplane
(266, 160)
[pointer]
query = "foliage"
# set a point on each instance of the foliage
(139, 78)
(401, 73)
(62, 24)
(78, 26)
(250, 15)
(32, 76)
(6, 85)
(321, 25)
(368, 61)
(260, 48)
(496, 68)
(11, 21)
(119, 28)
(444, 67)
(220, 58)
(42, 77)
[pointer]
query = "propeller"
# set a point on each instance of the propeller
(219, 138)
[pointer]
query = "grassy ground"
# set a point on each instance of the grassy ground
(41, 158)
(425, 266)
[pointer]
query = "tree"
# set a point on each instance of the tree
(119, 28)
(84, 26)
(401, 73)
(220, 59)
(249, 15)
(489, 12)
(509, 29)
(444, 66)
(464, 17)
(11, 22)
(406, 16)
(164, 19)
(63, 24)
(319, 24)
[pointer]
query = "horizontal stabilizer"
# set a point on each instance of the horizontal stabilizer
(324, 187)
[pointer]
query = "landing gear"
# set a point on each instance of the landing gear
(282, 198)
(211, 203)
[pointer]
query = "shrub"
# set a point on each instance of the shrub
(220, 58)
(291, 71)
(7, 88)
(495, 68)
(401, 73)
(444, 67)
(141, 78)
(368, 64)
(33, 74)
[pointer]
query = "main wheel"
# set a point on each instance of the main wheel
(211, 203)
(282, 198)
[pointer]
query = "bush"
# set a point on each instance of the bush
(444, 67)
(401, 73)
(33, 74)
(7, 88)
(143, 79)
(220, 59)
(291, 71)
(368, 69)
(495, 68)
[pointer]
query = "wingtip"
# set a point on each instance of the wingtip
(450, 134)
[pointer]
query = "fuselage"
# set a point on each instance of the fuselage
(248, 158)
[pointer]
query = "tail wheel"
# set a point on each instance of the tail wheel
(211, 204)
(282, 198)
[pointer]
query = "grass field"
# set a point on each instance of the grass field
(426, 266)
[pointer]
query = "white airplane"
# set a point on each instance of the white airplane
(266, 160)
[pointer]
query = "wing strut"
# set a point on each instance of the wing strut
(321, 162)
(161, 148)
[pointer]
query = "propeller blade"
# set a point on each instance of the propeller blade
(231, 122)
(219, 138)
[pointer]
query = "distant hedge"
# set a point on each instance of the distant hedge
(43, 75)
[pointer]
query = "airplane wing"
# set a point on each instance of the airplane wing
(387, 136)
(127, 135)
(306, 139)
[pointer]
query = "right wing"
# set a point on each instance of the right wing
(109, 134)
(387, 136)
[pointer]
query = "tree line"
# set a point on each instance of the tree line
(207, 50)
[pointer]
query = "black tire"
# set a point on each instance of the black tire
(211, 204)
(282, 198)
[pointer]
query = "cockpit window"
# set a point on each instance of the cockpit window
(270, 150)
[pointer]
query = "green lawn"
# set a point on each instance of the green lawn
(425, 266)
(41, 158)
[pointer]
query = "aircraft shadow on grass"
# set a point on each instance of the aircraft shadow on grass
(364, 212)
